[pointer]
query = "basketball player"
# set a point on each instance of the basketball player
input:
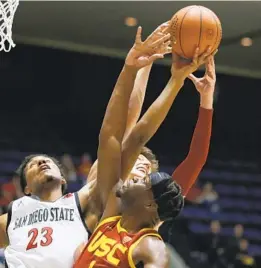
(119, 242)
(130, 240)
(187, 172)
(107, 248)
(43, 228)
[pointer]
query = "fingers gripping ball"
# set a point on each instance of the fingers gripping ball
(192, 27)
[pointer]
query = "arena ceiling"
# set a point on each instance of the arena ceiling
(98, 27)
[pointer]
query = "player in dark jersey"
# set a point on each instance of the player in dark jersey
(130, 240)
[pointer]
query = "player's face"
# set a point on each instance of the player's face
(141, 168)
(136, 193)
(137, 184)
(41, 171)
(138, 189)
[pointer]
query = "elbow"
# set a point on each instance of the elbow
(198, 159)
(140, 140)
(109, 145)
(202, 160)
(105, 135)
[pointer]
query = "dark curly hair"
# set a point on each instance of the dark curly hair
(167, 194)
(21, 170)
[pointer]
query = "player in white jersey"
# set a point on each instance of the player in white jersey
(37, 228)
(40, 226)
(44, 228)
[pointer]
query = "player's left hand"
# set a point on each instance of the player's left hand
(206, 84)
(153, 48)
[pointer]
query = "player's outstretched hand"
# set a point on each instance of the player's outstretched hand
(206, 84)
(153, 48)
(182, 68)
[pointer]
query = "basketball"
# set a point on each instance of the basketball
(192, 27)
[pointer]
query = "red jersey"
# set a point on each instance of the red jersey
(111, 246)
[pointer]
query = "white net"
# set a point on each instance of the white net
(7, 11)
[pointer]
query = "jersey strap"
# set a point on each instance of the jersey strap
(106, 221)
(78, 204)
(9, 215)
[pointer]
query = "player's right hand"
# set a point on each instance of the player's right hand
(153, 48)
(182, 68)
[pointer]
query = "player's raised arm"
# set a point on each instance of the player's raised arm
(3, 235)
(155, 115)
(134, 109)
(140, 85)
(137, 95)
(137, 98)
(187, 172)
(152, 252)
(114, 123)
(142, 54)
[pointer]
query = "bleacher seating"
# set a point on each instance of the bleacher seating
(239, 200)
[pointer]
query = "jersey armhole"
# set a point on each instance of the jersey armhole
(135, 244)
(9, 216)
(77, 200)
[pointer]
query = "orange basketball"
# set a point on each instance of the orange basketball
(192, 27)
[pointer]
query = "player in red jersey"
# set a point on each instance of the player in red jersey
(138, 160)
(130, 240)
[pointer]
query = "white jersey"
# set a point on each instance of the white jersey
(44, 234)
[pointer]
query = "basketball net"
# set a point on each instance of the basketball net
(7, 11)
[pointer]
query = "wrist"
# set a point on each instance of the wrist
(178, 81)
(130, 69)
(206, 101)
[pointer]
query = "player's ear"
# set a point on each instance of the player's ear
(27, 190)
(63, 181)
(151, 206)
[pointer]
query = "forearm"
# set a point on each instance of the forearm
(155, 115)
(187, 172)
(137, 98)
(114, 123)
(93, 172)
(112, 131)
(134, 109)
(3, 235)
(148, 125)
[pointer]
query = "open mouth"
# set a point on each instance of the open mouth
(44, 167)
(142, 169)
(49, 179)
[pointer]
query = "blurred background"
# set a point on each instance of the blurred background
(55, 85)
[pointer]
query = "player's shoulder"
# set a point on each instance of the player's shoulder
(24, 200)
(20, 201)
(68, 196)
(150, 249)
(69, 199)
(150, 242)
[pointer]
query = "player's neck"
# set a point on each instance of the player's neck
(49, 196)
(132, 224)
